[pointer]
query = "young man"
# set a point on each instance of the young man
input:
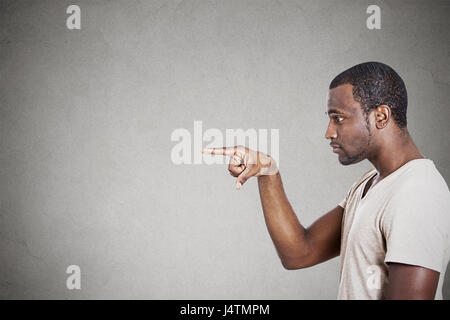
(392, 229)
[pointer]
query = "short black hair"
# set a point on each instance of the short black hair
(375, 84)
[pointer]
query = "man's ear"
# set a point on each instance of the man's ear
(382, 116)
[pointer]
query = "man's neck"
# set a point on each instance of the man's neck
(395, 154)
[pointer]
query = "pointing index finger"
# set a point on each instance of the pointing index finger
(226, 151)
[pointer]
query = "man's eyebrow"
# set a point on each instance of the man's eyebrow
(334, 111)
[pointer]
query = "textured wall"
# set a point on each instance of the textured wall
(86, 117)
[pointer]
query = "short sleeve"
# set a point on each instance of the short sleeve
(415, 227)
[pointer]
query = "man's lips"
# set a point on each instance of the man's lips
(335, 147)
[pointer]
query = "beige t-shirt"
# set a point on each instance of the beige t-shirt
(403, 218)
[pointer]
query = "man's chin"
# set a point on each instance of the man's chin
(347, 161)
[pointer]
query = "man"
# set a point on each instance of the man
(392, 228)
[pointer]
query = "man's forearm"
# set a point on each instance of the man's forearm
(286, 231)
(297, 247)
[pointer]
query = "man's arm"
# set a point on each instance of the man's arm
(298, 247)
(407, 282)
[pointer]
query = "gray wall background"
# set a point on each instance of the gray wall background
(85, 123)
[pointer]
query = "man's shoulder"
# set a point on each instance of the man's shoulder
(422, 177)
(421, 187)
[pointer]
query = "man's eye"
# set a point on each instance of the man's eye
(338, 118)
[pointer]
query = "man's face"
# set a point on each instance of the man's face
(348, 129)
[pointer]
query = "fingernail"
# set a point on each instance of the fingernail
(238, 185)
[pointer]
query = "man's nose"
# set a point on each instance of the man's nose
(331, 132)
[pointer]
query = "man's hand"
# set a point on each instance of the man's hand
(245, 163)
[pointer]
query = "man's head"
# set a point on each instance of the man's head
(366, 103)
